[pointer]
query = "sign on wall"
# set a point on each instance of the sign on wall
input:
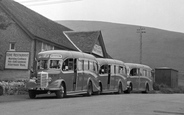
(17, 60)
(97, 50)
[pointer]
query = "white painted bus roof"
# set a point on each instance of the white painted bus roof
(69, 54)
(137, 65)
(109, 61)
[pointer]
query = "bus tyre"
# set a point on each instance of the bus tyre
(32, 94)
(100, 91)
(146, 89)
(60, 93)
(89, 89)
(120, 88)
(129, 89)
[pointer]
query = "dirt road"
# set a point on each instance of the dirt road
(125, 104)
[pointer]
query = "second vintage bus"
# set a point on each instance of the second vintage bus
(112, 75)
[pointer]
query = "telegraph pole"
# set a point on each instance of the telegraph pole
(141, 30)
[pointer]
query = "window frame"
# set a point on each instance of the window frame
(10, 46)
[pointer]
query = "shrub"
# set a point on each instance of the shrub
(14, 87)
(163, 88)
(166, 90)
(156, 86)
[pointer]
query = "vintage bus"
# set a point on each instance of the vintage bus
(64, 73)
(139, 77)
(112, 75)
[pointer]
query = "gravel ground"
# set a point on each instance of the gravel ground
(13, 98)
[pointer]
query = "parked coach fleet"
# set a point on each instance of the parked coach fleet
(71, 72)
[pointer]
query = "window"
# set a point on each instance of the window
(104, 69)
(121, 70)
(85, 65)
(55, 64)
(80, 65)
(68, 65)
(95, 67)
(42, 64)
(46, 47)
(117, 69)
(91, 66)
(114, 69)
(12, 46)
(145, 73)
(148, 73)
(125, 70)
(134, 72)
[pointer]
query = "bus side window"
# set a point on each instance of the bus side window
(70, 64)
(121, 70)
(95, 67)
(67, 65)
(113, 71)
(85, 65)
(91, 66)
(133, 72)
(140, 72)
(102, 69)
(80, 65)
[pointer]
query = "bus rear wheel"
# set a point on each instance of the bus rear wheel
(89, 89)
(120, 89)
(32, 94)
(146, 89)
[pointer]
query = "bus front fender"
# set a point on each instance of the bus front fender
(123, 85)
(31, 84)
(56, 84)
(129, 85)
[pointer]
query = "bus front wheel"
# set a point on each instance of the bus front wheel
(100, 91)
(32, 94)
(60, 93)
(129, 89)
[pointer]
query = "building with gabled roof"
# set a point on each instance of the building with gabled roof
(89, 42)
(24, 32)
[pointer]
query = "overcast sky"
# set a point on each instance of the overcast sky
(162, 14)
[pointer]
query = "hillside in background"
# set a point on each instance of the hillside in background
(160, 48)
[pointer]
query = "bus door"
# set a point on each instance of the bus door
(80, 74)
(75, 75)
(139, 73)
(109, 77)
(113, 76)
(134, 77)
(143, 80)
(103, 76)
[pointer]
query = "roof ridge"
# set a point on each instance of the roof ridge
(82, 31)
(71, 41)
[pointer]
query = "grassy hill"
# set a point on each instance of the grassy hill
(159, 47)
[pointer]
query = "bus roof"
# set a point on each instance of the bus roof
(64, 53)
(102, 61)
(136, 65)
